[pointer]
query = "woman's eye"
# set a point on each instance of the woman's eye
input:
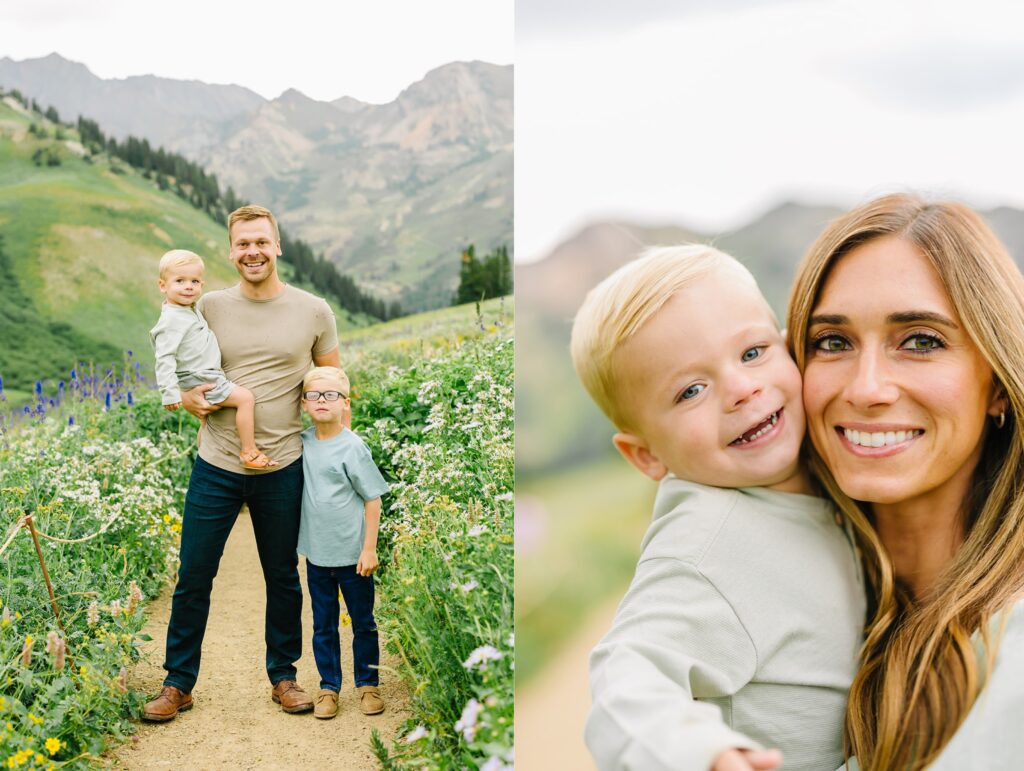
(831, 343)
(691, 391)
(752, 353)
(922, 343)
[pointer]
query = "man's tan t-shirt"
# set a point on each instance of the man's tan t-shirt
(266, 346)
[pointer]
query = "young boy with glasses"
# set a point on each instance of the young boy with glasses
(338, 537)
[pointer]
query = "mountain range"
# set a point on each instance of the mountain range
(556, 423)
(391, 193)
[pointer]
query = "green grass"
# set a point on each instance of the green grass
(83, 243)
(577, 542)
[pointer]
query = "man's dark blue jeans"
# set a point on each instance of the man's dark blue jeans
(358, 593)
(212, 504)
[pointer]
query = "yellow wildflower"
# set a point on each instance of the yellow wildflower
(53, 745)
(34, 719)
(39, 759)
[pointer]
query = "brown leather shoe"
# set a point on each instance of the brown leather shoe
(291, 697)
(167, 705)
(370, 701)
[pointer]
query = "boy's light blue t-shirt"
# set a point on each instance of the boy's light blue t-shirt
(339, 477)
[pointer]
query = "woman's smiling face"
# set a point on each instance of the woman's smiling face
(896, 392)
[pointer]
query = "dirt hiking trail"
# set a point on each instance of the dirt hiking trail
(234, 724)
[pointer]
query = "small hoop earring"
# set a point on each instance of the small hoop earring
(1001, 420)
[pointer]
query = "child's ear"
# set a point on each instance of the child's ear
(635, 450)
(162, 284)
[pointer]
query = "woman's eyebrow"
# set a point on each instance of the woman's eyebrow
(901, 317)
(829, 318)
(910, 317)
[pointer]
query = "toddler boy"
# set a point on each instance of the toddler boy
(338, 537)
(187, 354)
(742, 625)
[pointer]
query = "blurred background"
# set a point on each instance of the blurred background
(747, 124)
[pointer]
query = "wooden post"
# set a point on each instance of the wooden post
(49, 586)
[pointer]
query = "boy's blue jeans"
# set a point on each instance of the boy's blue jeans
(211, 507)
(358, 593)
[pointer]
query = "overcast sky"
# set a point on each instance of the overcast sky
(368, 50)
(706, 113)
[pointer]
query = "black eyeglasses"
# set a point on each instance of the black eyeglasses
(331, 396)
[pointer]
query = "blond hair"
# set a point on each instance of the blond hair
(920, 671)
(616, 308)
(334, 374)
(250, 213)
(178, 257)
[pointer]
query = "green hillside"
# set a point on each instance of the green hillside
(81, 241)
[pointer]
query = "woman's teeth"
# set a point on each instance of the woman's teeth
(879, 438)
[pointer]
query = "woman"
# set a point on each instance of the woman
(907, 319)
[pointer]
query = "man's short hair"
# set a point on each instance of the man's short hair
(616, 308)
(249, 213)
(334, 374)
(178, 257)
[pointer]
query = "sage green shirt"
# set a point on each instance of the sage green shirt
(266, 346)
(741, 628)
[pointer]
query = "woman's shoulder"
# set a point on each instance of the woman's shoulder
(990, 737)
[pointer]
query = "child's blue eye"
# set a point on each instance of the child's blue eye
(752, 353)
(691, 391)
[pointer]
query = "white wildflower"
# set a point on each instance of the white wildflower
(467, 723)
(479, 657)
(469, 586)
(416, 734)
(477, 530)
(494, 763)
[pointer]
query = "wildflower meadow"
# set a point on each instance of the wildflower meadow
(439, 420)
(101, 469)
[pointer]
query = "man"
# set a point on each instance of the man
(270, 334)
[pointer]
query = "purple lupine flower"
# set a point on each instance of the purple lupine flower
(74, 374)
(71, 420)
(1, 384)
(131, 400)
(39, 388)
(106, 401)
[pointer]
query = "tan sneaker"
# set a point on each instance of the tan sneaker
(326, 704)
(167, 705)
(370, 701)
(291, 697)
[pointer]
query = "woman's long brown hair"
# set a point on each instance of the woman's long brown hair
(920, 670)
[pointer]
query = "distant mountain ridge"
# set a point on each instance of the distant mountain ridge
(556, 423)
(390, 193)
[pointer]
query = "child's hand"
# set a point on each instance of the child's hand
(747, 760)
(367, 562)
(172, 407)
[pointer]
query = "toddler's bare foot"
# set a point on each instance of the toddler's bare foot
(256, 459)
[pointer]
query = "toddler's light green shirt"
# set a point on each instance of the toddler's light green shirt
(741, 628)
